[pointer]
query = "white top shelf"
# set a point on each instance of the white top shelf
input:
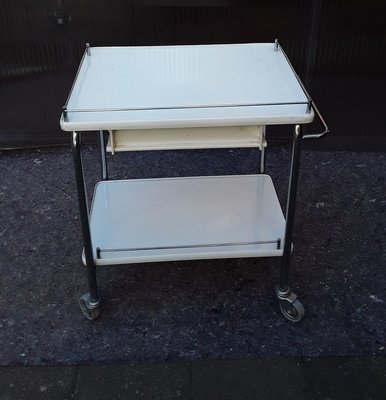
(185, 86)
(171, 219)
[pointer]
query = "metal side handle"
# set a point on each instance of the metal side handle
(311, 104)
(326, 129)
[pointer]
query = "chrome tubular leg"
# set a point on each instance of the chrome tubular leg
(90, 302)
(289, 304)
(291, 203)
(262, 153)
(102, 147)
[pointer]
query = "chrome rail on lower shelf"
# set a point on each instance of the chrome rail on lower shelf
(188, 246)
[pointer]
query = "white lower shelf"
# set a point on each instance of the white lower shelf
(170, 219)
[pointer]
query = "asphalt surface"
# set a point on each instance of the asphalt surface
(196, 310)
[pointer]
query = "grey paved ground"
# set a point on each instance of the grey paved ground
(192, 310)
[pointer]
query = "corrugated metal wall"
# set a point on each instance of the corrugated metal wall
(338, 47)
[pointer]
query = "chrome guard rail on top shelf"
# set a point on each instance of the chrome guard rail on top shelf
(311, 103)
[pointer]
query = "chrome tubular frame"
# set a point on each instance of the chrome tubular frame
(291, 203)
(84, 218)
(102, 148)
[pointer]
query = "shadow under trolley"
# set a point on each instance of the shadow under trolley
(186, 97)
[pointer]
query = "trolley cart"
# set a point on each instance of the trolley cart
(186, 97)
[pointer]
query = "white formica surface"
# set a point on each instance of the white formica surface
(193, 211)
(185, 86)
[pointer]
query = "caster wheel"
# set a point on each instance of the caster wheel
(90, 309)
(293, 311)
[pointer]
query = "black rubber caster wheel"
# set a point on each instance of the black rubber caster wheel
(289, 304)
(91, 310)
(293, 311)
